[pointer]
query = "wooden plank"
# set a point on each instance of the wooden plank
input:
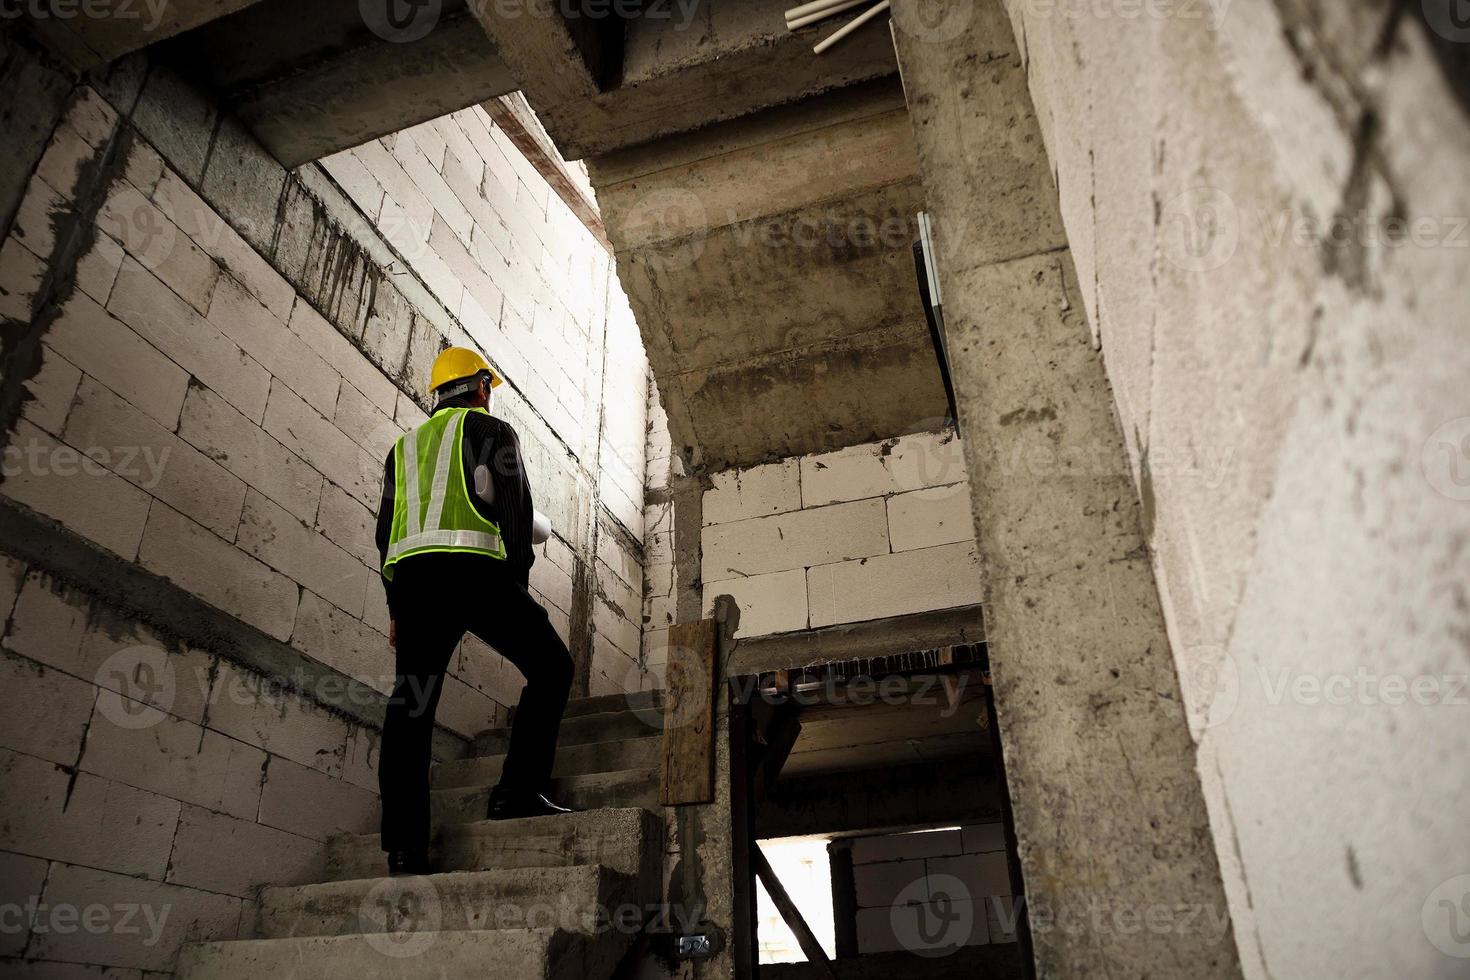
(803, 933)
(689, 715)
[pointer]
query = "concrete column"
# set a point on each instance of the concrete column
(1119, 863)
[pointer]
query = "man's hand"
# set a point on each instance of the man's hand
(393, 633)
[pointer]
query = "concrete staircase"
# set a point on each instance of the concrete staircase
(552, 897)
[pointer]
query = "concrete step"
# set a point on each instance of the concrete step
(592, 791)
(601, 726)
(640, 701)
(498, 954)
(628, 841)
(582, 898)
(571, 760)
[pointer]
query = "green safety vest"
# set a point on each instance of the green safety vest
(432, 510)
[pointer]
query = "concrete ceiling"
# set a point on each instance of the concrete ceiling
(310, 79)
(760, 201)
(769, 262)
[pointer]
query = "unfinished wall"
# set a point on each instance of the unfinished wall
(533, 288)
(868, 532)
(206, 359)
(1267, 204)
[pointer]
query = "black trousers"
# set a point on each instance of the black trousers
(439, 598)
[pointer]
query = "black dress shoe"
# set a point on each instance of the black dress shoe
(407, 863)
(514, 806)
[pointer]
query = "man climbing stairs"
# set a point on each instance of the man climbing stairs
(548, 897)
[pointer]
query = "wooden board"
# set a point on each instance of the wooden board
(689, 715)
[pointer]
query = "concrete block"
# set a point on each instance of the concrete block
(344, 357)
(113, 656)
(879, 885)
(925, 518)
(219, 573)
(919, 927)
(12, 574)
(97, 268)
(464, 709)
(348, 524)
(361, 766)
(389, 322)
(157, 244)
(139, 450)
(983, 838)
(178, 119)
(375, 604)
(214, 235)
(277, 538)
(303, 430)
(890, 585)
(48, 714)
(370, 427)
(553, 583)
(236, 857)
(171, 325)
(245, 181)
(327, 634)
(771, 603)
(877, 469)
(169, 917)
(215, 428)
(984, 875)
(616, 627)
(102, 346)
(906, 847)
(799, 539)
(50, 391)
(314, 805)
(176, 759)
(54, 479)
(66, 157)
(256, 710)
(262, 335)
(21, 879)
(33, 224)
(20, 277)
(47, 625)
(737, 495)
(89, 820)
(348, 170)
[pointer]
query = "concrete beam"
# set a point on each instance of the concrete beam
(87, 41)
(1111, 813)
(858, 641)
(681, 68)
(310, 80)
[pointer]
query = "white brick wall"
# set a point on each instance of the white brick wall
(863, 533)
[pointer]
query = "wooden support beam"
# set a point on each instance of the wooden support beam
(689, 715)
(804, 936)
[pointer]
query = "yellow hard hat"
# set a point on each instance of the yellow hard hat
(456, 364)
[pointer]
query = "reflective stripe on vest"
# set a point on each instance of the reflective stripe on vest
(449, 521)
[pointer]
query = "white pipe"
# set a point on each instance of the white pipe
(540, 527)
(853, 25)
(810, 8)
(824, 14)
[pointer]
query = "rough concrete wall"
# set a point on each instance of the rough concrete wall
(876, 530)
(155, 781)
(205, 360)
(531, 286)
(1267, 205)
